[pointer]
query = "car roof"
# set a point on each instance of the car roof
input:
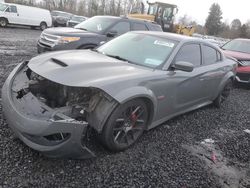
(127, 18)
(167, 35)
(242, 39)
(61, 11)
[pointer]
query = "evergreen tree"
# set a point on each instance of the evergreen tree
(243, 31)
(213, 21)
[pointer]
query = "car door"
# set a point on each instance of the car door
(213, 68)
(12, 15)
(188, 86)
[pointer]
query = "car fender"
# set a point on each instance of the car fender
(228, 76)
(138, 92)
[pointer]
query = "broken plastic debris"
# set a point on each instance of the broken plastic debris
(247, 131)
(213, 157)
(208, 141)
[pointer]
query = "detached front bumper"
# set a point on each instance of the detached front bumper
(35, 124)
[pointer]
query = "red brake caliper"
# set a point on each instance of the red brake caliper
(134, 119)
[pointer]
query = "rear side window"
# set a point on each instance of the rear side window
(190, 53)
(156, 27)
(210, 55)
(121, 27)
(139, 27)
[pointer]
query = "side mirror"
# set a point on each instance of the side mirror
(112, 33)
(183, 66)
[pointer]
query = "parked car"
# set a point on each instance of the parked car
(76, 20)
(216, 42)
(240, 50)
(130, 84)
(60, 18)
(24, 15)
(90, 33)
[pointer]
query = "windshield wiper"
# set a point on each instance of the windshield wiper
(95, 50)
(117, 57)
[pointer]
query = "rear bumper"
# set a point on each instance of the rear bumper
(34, 130)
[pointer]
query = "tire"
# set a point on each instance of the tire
(125, 125)
(3, 22)
(223, 94)
(43, 26)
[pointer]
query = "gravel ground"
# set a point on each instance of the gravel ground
(172, 155)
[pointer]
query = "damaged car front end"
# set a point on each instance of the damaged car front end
(54, 101)
(50, 117)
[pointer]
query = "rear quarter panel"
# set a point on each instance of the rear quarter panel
(229, 68)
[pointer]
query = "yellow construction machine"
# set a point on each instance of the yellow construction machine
(163, 14)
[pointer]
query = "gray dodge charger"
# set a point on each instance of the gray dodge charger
(126, 86)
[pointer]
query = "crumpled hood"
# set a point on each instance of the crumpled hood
(68, 31)
(85, 68)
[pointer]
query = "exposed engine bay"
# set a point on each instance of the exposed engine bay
(86, 104)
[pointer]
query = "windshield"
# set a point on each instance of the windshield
(96, 24)
(78, 18)
(3, 7)
(141, 49)
(238, 45)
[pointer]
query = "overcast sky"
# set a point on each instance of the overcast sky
(198, 9)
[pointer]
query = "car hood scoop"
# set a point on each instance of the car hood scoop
(84, 68)
(59, 62)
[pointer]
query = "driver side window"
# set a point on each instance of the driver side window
(11, 9)
(121, 28)
(190, 53)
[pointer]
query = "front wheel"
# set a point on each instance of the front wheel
(43, 26)
(125, 125)
(223, 95)
(3, 22)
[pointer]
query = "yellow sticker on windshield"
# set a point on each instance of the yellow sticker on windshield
(164, 43)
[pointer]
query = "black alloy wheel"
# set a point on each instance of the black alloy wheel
(125, 125)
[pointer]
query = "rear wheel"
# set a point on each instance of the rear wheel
(223, 94)
(43, 26)
(3, 22)
(125, 125)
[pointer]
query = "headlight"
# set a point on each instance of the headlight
(68, 39)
